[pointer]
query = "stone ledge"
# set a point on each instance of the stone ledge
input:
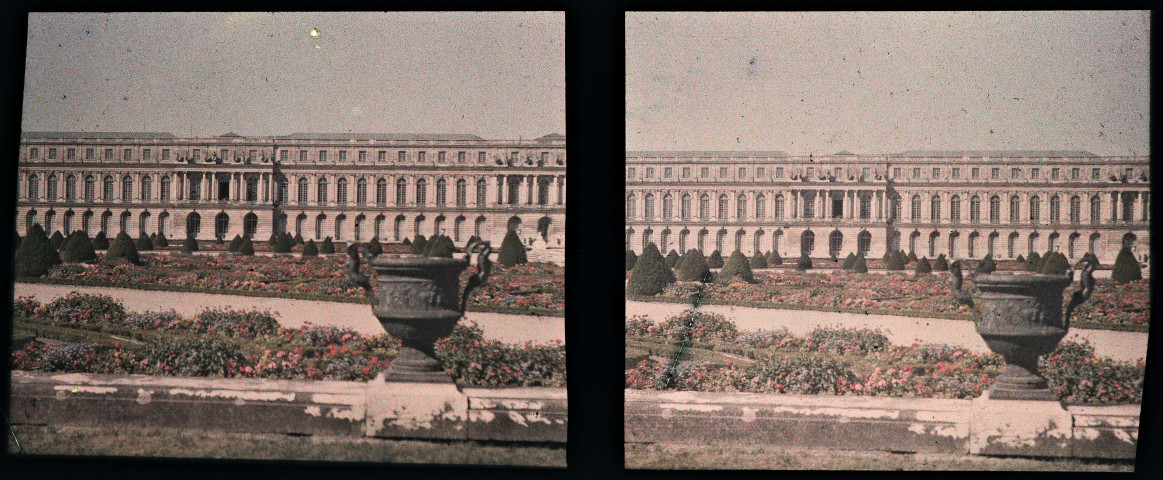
(862, 423)
(331, 408)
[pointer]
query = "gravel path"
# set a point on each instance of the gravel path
(1126, 346)
(294, 313)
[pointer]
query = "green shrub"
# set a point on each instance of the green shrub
(699, 326)
(1126, 268)
(987, 265)
(775, 259)
(471, 239)
(1093, 258)
(804, 262)
(630, 259)
(923, 267)
(912, 257)
(299, 239)
(941, 264)
(849, 261)
(310, 250)
(246, 248)
(218, 240)
(122, 248)
(84, 308)
(672, 259)
(327, 246)
(442, 247)
(80, 249)
(1075, 374)
(650, 275)
(100, 242)
(474, 360)
(235, 243)
(190, 245)
(693, 267)
(420, 245)
(198, 356)
(143, 243)
(846, 341)
(35, 256)
(737, 267)
(896, 261)
(759, 260)
(273, 241)
(860, 265)
(715, 260)
(512, 252)
(57, 240)
(406, 241)
(1032, 262)
(161, 241)
(1020, 259)
(284, 243)
(242, 323)
(1054, 263)
(374, 248)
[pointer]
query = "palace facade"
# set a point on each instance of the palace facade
(350, 187)
(964, 204)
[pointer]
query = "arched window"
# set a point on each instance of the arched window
(1035, 209)
(321, 191)
(421, 191)
(955, 209)
(146, 187)
(1055, 209)
(722, 207)
(221, 225)
(165, 187)
(648, 207)
(302, 190)
(482, 193)
(319, 226)
(1015, 209)
(935, 208)
(107, 188)
(994, 209)
(933, 244)
(865, 207)
(741, 207)
(401, 192)
(807, 242)
(379, 228)
(382, 192)
(71, 187)
(51, 187)
(339, 222)
(29, 221)
(441, 192)
(361, 191)
(193, 224)
(975, 209)
(281, 190)
(127, 188)
(685, 207)
(631, 208)
(251, 193)
(916, 208)
(341, 191)
(249, 225)
(667, 207)
(91, 188)
(779, 206)
(457, 227)
(760, 208)
(1075, 210)
(1095, 210)
(397, 227)
(1011, 244)
(835, 241)
(461, 193)
(863, 243)
(705, 207)
(33, 187)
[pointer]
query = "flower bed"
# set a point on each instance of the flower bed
(1120, 307)
(93, 334)
(534, 288)
(852, 362)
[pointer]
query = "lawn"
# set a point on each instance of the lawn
(529, 289)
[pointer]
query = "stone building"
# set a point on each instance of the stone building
(963, 204)
(344, 186)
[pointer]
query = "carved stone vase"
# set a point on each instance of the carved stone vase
(1020, 317)
(418, 300)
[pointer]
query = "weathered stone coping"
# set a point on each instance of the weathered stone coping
(980, 426)
(298, 407)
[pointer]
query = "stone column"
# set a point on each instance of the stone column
(531, 198)
(1116, 211)
(792, 198)
(880, 205)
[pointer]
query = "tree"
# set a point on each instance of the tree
(941, 264)
(284, 243)
(1093, 259)
(161, 242)
(100, 242)
(512, 251)
(190, 245)
(737, 266)
(1032, 262)
(987, 265)
(143, 243)
(298, 238)
(775, 259)
(672, 259)
(80, 249)
(273, 241)
(693, 267)
(246, 249)
(1126, 268)
(122, 248)
(923, 266)
(235, 243)
(65, 244)
(649, 275)
(715, 260)
(441, 247)
(759, 260)
(860, 265)
(1054, 263)
(419, 245)
(57, 240)
(327, 246)
(310, 250)
(630, 259)
(912, 257)
(1020, 259)
(804, 262)
(406, 241)
(849, 261)
(374, 248)
(35, 256)
(896, 261)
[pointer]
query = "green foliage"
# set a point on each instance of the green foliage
(471, 240)
(896, 261)
(987, 265)
(299, 239)
(912, 257)
(699, 326)
(1126, 268)
(804, 262)
(419, 246)
(35, 256)
(327, 246)
(474, 360)
(441, 246)
(775, 259)
(1032, 262)
(923, 266)
(218, 240)
(100, 242)
(512, 252)
(235, 243)
(161, 241)
(84, 309)
(941, 264)
(860, 265)
(310, 250)
(273, 241)
(672, 259)
(693, 267)
(1076, 375)
(143, 243)
(1054, 263)
(759, 260)
(737, 267)
(57, 240)
(190, 245)
(630, 259)
(284, 243)
(715, 260)
(122, 248)
(374, 248)
(246, 248)
(80, 249)
(406, 241)
(849, 261)
(200, 356)
(650, 275)
(1020, 259)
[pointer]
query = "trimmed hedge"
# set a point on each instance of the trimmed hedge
(737, 267)
(759, 260)
(418, 246)
(941, 264)
(672, 259)
(631, 258)
(804, 262)
(35, 256)
(1126, 268)
(374, 247)
(650, 275)
(860, 265)
(715, 260)
(693, 267)
(987, 265)
(80, 249)
(190, 245)
(923, 267)
(246, 248)
(310, 250)
(327, 246)
(122, 248)
(512, 252)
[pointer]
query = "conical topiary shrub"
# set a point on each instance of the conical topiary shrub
(472, 239)
(1032, 262)
(775, 259)
(849, 261)
(631, 257)
(804, 262)
(273, 241)
(737, 267)
(310, 250)
(860, 265)
(441, 247)
(190, 245)
(284, 243)
(57, 241)
(161, 242)
(693, 267)
(923, 267)
(649, 275)
(512, 252)
(715, 260)
(218, 240)
(298, 238)
(941, 264)
(246, 247)
(987, 265)
(1054, 263)
(235, 243)
(122, 248)
(80, 249)
(896, 261)
(35, 256)
(672, 259)
(1126, 268)
(406, 241)
(1093, 259)
(327, 247)
(912, 257)
(100, 242)
(374, 248)
(1020, 259)
(143, 243)
(419, 246)
(759, 260)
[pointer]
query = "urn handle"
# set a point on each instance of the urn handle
(1085, 287)
(357, 252)
(482, 249)
(955, 282)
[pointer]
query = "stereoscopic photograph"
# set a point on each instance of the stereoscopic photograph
(322, 236)
(886, 241)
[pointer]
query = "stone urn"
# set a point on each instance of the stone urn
(418, 300)
(1020, 317)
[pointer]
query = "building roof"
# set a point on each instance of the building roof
(704, 153)
(551, 137)
(379, 136)
(996, 153)
(102, 135)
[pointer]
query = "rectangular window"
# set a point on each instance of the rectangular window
(34, 153)
(421, 156)
(759, 171)
(481, 157)
(145, 154)
(71, 153)
(225, 154)
(1015, 173)
(1054, 173)
(955, 173)
(440, 156)
(52, 154)
(343, 155)
(705, 172)
(460, 156)
(1074, 174)
(975, 172)
(363, 155)
(810, 170)
(666, 172)
(630, 173)
(742, 173)
(197, 154)
(323, 155)
(383, 156)
(251, 154)
(402, 156)
(865, 171)
(936, 173)
(896, 172)
(303, 156)
(1094, 174)
(916, 173)
(1033, 173)
(108, 154)
(722, 172)
(995, 173)
(686, 172)
(282, 155)
(649, 172)
(778, 172)
(544, 157)
(1130, 172)
(165, 154)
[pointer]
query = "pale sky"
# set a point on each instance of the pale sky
(887, 82)
(497, 75)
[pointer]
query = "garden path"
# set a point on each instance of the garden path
(293, 313)
(901, 330)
